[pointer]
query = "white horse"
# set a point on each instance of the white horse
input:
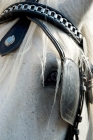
(29, 102)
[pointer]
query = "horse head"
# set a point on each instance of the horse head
(46, 76)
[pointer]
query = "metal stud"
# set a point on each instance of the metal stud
(10, 40)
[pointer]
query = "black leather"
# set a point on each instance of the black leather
(70, 91)
(21, 13)
(18, 31)
(50, 36)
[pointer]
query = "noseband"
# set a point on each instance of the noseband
(74, 79)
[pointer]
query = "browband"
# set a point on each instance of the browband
(46, 13)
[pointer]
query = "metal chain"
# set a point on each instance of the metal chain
(47, 12)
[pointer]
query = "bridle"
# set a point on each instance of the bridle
(77, 78)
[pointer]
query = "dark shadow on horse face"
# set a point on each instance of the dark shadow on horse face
(47, 108)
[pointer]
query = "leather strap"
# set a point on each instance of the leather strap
(50, 36)
(14, 37)
(45, 13)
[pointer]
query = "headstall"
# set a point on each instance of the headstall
(76, 78)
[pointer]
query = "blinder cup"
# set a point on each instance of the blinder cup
(70, 91)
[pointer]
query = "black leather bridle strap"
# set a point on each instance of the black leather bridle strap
(50, 36)
(32, 9)
(46, 13)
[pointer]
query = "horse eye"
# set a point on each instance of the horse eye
(51, 78)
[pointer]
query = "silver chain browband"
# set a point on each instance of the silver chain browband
(45, 11)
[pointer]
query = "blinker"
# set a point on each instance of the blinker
(70, 87)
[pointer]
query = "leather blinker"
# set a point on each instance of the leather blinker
(70, 91)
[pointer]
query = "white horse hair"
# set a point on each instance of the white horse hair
(28, 109)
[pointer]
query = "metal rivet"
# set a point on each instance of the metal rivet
(10, 40)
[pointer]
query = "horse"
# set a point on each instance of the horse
(46, 70)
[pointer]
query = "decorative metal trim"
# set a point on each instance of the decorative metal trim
(10, 40)
(46, 11)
